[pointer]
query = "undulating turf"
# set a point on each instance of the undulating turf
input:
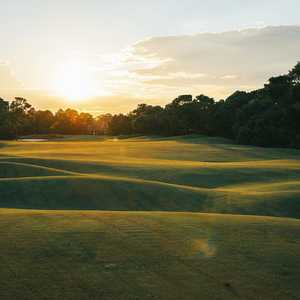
(149, 241)
(131, 255)
(172, 174)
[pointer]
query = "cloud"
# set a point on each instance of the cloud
(158, 69)
(215, 63)
(229, 77)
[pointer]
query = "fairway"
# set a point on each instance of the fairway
(194, 173)
(148, 218)
(130, 255)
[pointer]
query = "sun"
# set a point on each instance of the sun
(74, 82)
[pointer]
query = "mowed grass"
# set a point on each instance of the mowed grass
(194, 173)
(147, 255)
(149, 241)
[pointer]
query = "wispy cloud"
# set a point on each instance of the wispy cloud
(216, 63)
(158, 69)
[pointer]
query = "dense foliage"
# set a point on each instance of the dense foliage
(266, 117)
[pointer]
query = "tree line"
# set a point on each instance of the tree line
(265, 117)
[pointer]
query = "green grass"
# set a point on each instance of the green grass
(196, 174)
(131, 255)
(157, 235)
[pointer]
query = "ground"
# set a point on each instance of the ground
(160, 233)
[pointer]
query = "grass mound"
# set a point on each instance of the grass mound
(131, 255)
(118, 193)
(150, 174)
(134, 250)
(10, 169)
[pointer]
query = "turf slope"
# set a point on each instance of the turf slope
(194, 174)
(132, 255)
(149, 241)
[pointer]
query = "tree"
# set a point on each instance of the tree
(85, 124)
(43, 121)
(294, 74)
(102, 123)
(5, 130)
(147, 119)
(65, 121)
(120, 124)
(18, 110)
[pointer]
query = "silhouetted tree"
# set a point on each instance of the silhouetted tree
(18, 110)
(102, 124)
(5, 124)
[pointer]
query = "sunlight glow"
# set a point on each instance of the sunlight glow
(75, 82)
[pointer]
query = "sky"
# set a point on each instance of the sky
(108, 56)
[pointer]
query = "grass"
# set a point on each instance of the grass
(159, 234)
(196, 174)
(131, 255)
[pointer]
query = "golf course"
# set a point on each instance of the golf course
(187, 217)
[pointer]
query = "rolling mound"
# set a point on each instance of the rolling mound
(194, 174)
(9, 169)
(131, 255)
(117, 193)
(149, 241)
